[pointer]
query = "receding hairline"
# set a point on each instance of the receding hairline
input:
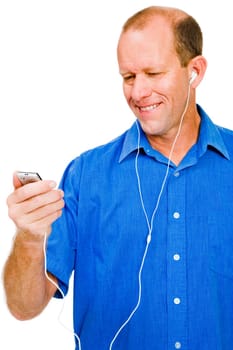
(142, 18)
(186, 31)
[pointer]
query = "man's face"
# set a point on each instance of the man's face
(154, 83)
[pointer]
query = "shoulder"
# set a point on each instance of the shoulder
(97, 157)
(227, 137)
(227, 134)
(109, 150)
(225, 131)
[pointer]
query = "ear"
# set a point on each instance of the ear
(198, 67)
(193, 77)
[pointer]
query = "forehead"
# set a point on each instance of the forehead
(149, 45)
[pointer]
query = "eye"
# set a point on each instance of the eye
(153, 74)
(128, 78)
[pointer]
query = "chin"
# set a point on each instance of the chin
(152, 128)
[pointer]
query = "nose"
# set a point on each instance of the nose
(141, 88)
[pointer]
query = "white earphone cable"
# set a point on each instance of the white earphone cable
(151, 222)
(63, 296)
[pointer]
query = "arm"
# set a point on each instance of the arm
(33, 208)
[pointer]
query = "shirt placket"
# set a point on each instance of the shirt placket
(176, 263)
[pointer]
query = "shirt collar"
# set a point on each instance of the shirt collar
(131, 141)
(209, 136)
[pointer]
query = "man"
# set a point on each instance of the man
(147, 220)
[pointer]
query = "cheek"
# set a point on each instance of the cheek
(127, 90)
(127, 93)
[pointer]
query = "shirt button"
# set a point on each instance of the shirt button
(176, 257)
(176, 301)
(176, 215)
(176, 174)
(177, 345)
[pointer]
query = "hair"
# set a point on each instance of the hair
(188, 39)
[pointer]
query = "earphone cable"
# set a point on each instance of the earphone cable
(149, 222)
(63, 296)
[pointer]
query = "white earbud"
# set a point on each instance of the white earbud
(193, 77)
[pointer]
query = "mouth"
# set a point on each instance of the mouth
(149, 107)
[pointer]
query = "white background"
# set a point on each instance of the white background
(60, 93)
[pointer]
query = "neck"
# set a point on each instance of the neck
(178, 144)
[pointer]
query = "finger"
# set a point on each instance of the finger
(30, 190)
(16, 181)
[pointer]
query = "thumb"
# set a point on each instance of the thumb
(16, 181)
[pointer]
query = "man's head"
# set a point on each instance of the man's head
(158, 50)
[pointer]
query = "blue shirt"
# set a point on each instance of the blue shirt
(187, 277)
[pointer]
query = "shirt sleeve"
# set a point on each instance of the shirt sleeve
(62, 242)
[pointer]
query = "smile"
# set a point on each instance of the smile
(149, 108)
